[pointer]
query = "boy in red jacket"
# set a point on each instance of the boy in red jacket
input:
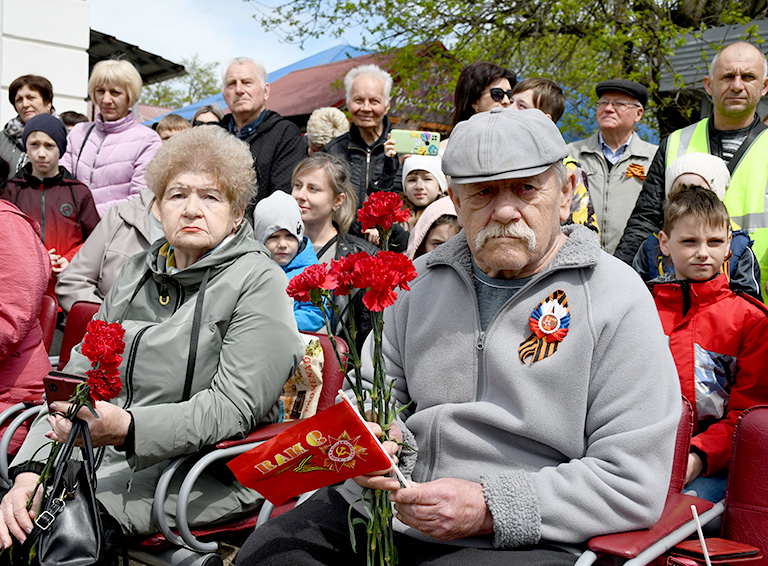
(46, 192)
(717, 337)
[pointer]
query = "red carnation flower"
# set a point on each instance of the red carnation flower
(104, 385)
(382, 210)
(401, 266)
(342, 270)
(313, 277)
(103, 342)
(373, 274)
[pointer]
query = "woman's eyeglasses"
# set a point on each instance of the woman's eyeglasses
(199, 123)
(498, 94)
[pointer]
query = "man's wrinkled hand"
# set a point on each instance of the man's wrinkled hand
(444, 509)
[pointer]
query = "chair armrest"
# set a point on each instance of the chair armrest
(257, 435)
(676, 513)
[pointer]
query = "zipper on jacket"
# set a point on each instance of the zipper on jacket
(131, 363)
(95, 157)
(367, 169)
(685, 288)
(42, 215)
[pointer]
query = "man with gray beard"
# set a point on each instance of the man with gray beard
(541, 399)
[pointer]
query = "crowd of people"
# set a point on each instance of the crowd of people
(567, 295)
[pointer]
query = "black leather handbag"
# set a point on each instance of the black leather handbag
(70, 528)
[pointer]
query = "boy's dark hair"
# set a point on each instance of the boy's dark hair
(547, 95)
(699, 201)
(473, 80)
(34, 82)
(70, 118)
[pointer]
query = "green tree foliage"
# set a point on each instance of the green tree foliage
(201, 80)
(577, 43)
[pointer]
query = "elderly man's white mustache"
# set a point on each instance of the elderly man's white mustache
(510, 230)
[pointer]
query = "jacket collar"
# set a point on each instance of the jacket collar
(268, 121)
(715, 132)
(58, 179)
(356, 137)
(115, 126)
(702, 293)
(581, 249)
(216, 261)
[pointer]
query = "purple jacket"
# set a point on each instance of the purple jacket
(113, 158)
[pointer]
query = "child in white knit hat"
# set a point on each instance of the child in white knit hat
(278, 225)
(710, 172)
(423, 183)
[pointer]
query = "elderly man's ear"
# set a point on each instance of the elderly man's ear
(453, 194)
(567, 196)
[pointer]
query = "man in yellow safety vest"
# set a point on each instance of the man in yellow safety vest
(738, 78)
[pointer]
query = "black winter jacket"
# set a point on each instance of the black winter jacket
(370, 168)
(277, 147)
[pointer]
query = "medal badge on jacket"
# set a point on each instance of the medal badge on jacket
(549, 324)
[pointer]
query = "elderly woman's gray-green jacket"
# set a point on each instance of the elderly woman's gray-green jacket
(248, 347)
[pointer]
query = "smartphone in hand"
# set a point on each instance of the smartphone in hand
(60, 386)
(415, 142)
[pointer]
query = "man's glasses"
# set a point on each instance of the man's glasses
(498, 94)
(617, 104)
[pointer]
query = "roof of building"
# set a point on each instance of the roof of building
(690, 63)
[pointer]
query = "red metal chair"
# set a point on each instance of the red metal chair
(333, 379)
(49, 310)
(675, 524)
(79, 316)
(746, 501)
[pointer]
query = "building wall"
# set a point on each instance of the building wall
(48, 38)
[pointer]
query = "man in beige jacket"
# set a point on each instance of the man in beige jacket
(615, 159)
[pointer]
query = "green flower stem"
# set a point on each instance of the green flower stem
(357, 387)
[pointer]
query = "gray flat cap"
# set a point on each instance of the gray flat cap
(503, 144)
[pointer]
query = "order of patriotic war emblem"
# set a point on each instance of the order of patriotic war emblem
(343, 451)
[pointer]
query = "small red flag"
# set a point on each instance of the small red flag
(330, 447)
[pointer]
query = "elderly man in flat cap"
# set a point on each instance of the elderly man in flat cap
(615, 158)
(541, 399)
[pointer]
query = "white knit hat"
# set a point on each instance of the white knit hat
(710, 167)
(432, 164)
(279, 211)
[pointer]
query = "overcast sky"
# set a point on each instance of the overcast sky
(216, 30)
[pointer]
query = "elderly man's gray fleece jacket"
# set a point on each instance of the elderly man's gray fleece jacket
(577, 444)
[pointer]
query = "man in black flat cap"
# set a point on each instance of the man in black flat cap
(615, 158)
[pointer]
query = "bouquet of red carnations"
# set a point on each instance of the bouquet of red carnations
(377, 277)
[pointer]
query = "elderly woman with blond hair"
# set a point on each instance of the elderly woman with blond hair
(325, 124)
(210, 341)
(111, 154)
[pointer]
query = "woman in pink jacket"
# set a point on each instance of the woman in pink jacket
(111, 154)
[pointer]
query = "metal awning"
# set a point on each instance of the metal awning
(152, 68)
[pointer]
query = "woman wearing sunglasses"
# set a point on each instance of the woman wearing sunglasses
(482, 86)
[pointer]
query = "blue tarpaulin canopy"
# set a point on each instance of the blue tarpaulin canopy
(337, 53)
